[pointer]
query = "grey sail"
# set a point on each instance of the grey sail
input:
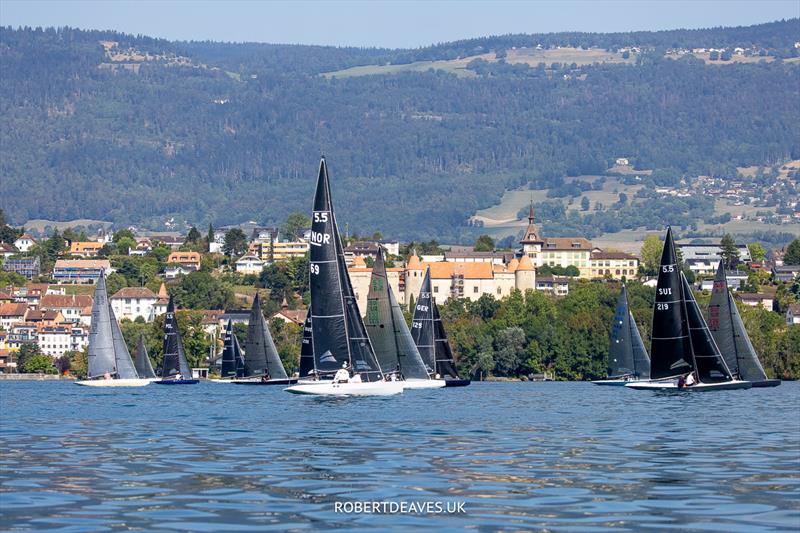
(708, 361)
(261, 355)
(143, 365)
(620, 350)
(641, 361)
(338, 331)
(729, 333)
(125, 366)
(101, 359)
(174, 356)
(387, 328)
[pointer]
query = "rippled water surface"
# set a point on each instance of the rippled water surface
(556, 456)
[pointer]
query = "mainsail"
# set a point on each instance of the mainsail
(125, 367)
(626, 354)
(641, 361)
(174, 357)
(708, 361)
(670, 347)
(143, 365)
(339, 335)
(387, 328)
(261, 356)
(307, 350)
(231, 354)
(107, 350)
(428, 333)
(728, 330)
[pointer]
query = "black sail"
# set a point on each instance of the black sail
(307, 350)
(229, 362)
(261, 355)
(174, 357)
(708, 360)
(339, 335)
(388, 332)
(641, 361)
(445, 363)
(422, 324)
(728, 331)
(143, 365)
(670, 347)
(620, 351)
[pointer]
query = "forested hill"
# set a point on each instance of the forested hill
(102, 125)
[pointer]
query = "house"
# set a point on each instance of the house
(24, 243)
(71, 306)
(785, 273)
(85, 248)
(7, 364)
(171, 241)
(249, 264)
(293, 316)
(55, 340)
(755, 300)
(50, 317)
(558, 285)
(80, 270)
(704, 258)
(133, 303)
(614, 264)
(175, 270)
(556, 251)
(793, 314)
(12, 313)
(370, 247)
(265, 235)
(7, 250)
(22, 333)
(622, 162)
(496, 258)
(217, 243)
(27, 266)
(278, 251)
(143, 246)
(186, 259)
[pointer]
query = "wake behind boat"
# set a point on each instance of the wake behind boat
(109, 361)
(682, 349)
(627, 357)
(341, 347)
(731, 337)
(174, 368)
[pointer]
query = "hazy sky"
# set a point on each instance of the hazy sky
(383, 23)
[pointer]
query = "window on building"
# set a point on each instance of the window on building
(475, 289)
(436, 289)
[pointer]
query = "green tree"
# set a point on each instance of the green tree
(296, 224)
(26, 352)
(651, 250)
(584, 204)
(484, 244)
(757, 252)
(235, 242)
(114, 282)
(729, 253)
(209, 237)
(122, 234)
(509, 351)
(200, 290)
(792, 255)
(193, 237)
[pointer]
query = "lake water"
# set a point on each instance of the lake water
(560, 456)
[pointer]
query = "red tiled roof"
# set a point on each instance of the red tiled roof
(140, 293)
(60, 301)
(13, 309)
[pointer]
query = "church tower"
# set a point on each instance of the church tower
(532, 242)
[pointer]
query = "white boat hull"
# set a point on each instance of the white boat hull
(366, 388)
(423, 384)
(114, 382)
(699, 387)
(614, 382)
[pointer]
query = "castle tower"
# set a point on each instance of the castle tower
(525, 275)
(531, 241)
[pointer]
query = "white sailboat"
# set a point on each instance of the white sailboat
(109, 361)
(339, 337)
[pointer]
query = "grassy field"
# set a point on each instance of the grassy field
(76, 289)
(454, 66)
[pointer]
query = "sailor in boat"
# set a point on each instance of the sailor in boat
(342, 375)
(690, 379)
(106, 376)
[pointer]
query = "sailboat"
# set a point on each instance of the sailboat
(109, 361)
(340, 341)
(307, 370)
(262, 364)
(175, 368)
(728, 330)
(627, 356)
(428, 333)
(681, 342)
(142, 362)
(232, 359)
(394, 347)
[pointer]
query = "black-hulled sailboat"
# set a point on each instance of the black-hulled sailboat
(175, 367)
(731, 337)
(232, 360)
(394, 346)
(262, 363)
(681, 342)
(109, 361)
(344, 360)
(430, 337)
(627, 357)
(142, 362)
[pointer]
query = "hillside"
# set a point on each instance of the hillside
(101, 125)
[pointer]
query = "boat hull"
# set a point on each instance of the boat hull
(700, 387)
(457, 382)
(289, 381)
(613, 382)
(423, 384)
(766, 383)
(177, 382)
(375, 388)
(113, 382)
